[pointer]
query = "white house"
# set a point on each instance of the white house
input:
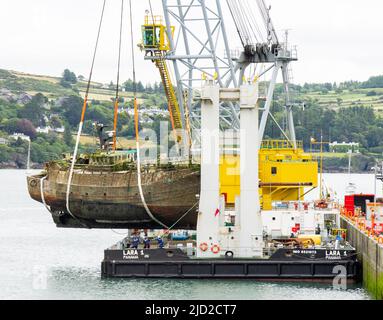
(49, 129)
(45, 130)
(344, 147)
(21, 136)
(60, 130)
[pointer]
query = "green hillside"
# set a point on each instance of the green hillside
(336, 100)
(30, 104)
(53, 89)
(349, 112)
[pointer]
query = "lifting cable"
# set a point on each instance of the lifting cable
(250, 14)
(249, 28)
(136, 120)
(245, 21)
(116, 102)
(236, 22)
(238, 17)
(75, 153)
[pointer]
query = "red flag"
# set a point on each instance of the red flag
(217, 212)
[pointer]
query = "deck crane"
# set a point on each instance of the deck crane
(202, 47)
(270, 52)
(193, 37)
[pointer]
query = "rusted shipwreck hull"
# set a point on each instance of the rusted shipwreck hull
(102, 198)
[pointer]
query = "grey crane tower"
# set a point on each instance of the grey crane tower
(202, 49)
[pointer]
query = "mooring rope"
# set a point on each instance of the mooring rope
(70, 178)
(182, 217)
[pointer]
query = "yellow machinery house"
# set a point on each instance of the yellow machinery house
(286, 174)
(154, 35)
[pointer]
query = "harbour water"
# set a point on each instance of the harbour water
(39, 261)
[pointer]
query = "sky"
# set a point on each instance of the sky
(338, 40)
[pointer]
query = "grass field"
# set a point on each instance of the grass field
(108, 95)
(36, 77)
(51, 88)
(348, 99)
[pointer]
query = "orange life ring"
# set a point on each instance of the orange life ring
(380, 240)
(215, 249)
(203, 246)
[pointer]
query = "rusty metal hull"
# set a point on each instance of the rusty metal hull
(102, 199)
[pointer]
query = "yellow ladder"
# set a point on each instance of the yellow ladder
(174, 107)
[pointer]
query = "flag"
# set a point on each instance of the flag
(217, 212)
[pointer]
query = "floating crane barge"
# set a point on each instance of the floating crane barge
(243, 248)
(247, 207)
(235, 238)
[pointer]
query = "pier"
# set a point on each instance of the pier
(370, 254)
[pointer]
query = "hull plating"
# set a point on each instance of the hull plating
(112, 199)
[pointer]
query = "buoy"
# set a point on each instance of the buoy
(203, 246)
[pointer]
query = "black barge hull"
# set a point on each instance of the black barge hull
(177, 266)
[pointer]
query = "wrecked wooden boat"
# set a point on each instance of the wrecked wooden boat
(104, 193)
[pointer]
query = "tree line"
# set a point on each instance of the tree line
(371, 83)
(69, 79)
(359, 124)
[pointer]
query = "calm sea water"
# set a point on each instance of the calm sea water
(38, 261)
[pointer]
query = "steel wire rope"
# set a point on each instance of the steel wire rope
(235, 22)
(137, 137)
(75, 153)
(180, 219)
(116, 102)
(136, 119)
(241, 23)
(251, 16)
(242, 16)
(248, 24)
(234, 10)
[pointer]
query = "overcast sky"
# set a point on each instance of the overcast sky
(338, 40)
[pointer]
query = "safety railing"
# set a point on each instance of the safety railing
(286, 52)
(305, 206)
(280, 144)
(154, 20)
(370, 227)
